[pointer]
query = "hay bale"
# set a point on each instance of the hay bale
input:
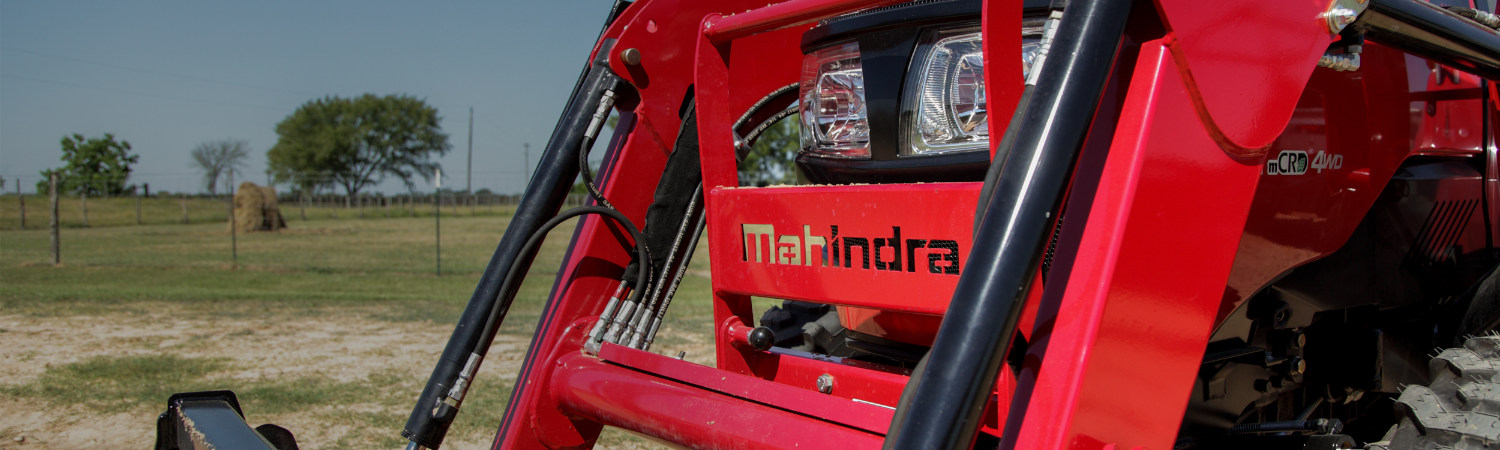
(255, 209)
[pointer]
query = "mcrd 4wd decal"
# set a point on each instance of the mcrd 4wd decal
(1296, 162)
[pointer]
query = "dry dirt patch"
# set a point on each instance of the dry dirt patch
(376, 366)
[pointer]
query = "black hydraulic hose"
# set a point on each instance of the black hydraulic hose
(1429, 31)
(640, 321)
(454, 398)
(762, 104)
(1484, 18)
(949, 397)
(543, 198)
(588, 142)
(687, 258)
(493, 323)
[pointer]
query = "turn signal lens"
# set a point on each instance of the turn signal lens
(832, 105)
(949, 97)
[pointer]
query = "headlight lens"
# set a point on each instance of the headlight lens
(949, 97)
(834, 122)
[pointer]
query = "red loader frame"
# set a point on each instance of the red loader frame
(1151, 128)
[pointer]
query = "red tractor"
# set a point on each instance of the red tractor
(1188, 224)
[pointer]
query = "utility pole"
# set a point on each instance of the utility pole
(469, 178)
(234, 239)
(21, 196)
(526, 169)
(54, 225)
(437, 218)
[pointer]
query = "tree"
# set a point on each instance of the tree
(96, 166)
(772, 159)
(217, 158)
(354, 143)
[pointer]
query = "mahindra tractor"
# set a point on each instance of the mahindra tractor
(1087, 224)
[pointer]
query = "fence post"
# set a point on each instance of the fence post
(85, 206)
(137, 207)
(234, 244)
(56, 238)
(23, 203)
(437, 225)
(302, 206)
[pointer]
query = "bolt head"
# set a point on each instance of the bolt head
(825, 383)
(630, 56)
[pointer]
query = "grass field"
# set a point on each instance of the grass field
(329, 328)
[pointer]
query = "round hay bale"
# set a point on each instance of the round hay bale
(255, 209)
(271, 209)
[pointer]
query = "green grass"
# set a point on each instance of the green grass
(108, 383)
(372, 269)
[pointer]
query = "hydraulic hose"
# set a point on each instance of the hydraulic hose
(543, 199)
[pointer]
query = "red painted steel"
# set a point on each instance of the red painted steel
(1370, 122)
(1120, 334)
(1245, 94)
(804, 399)
(782, 15)
(689, 415)
(1119, 360)
(1002, 78)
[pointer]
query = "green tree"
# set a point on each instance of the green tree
(96, 166)
(355, 143)
(219, 158)
(772, 159)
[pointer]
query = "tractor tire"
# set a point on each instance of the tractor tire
(1459, 409)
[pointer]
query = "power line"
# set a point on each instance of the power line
(155, 72)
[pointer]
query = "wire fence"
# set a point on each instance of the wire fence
(31, 211)
(364, 234)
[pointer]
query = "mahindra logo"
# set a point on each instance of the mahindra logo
(891, 253)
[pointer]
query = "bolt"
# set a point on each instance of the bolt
(825, 383)
(630, 56)
(1300, 340)
(1297, 365)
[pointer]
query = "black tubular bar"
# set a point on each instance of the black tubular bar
(1428, 30)
(543, 198)
(946, 407)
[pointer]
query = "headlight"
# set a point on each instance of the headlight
(834, 122)
(947, 91)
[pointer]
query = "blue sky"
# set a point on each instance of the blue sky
(168, 75)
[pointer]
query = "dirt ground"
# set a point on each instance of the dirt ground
(348, 349)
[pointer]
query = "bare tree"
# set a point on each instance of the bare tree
(218, 158)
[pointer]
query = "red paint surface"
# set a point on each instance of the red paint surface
(687, 414)
(1373, 120)
(1245, 93)
(1116, 365)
